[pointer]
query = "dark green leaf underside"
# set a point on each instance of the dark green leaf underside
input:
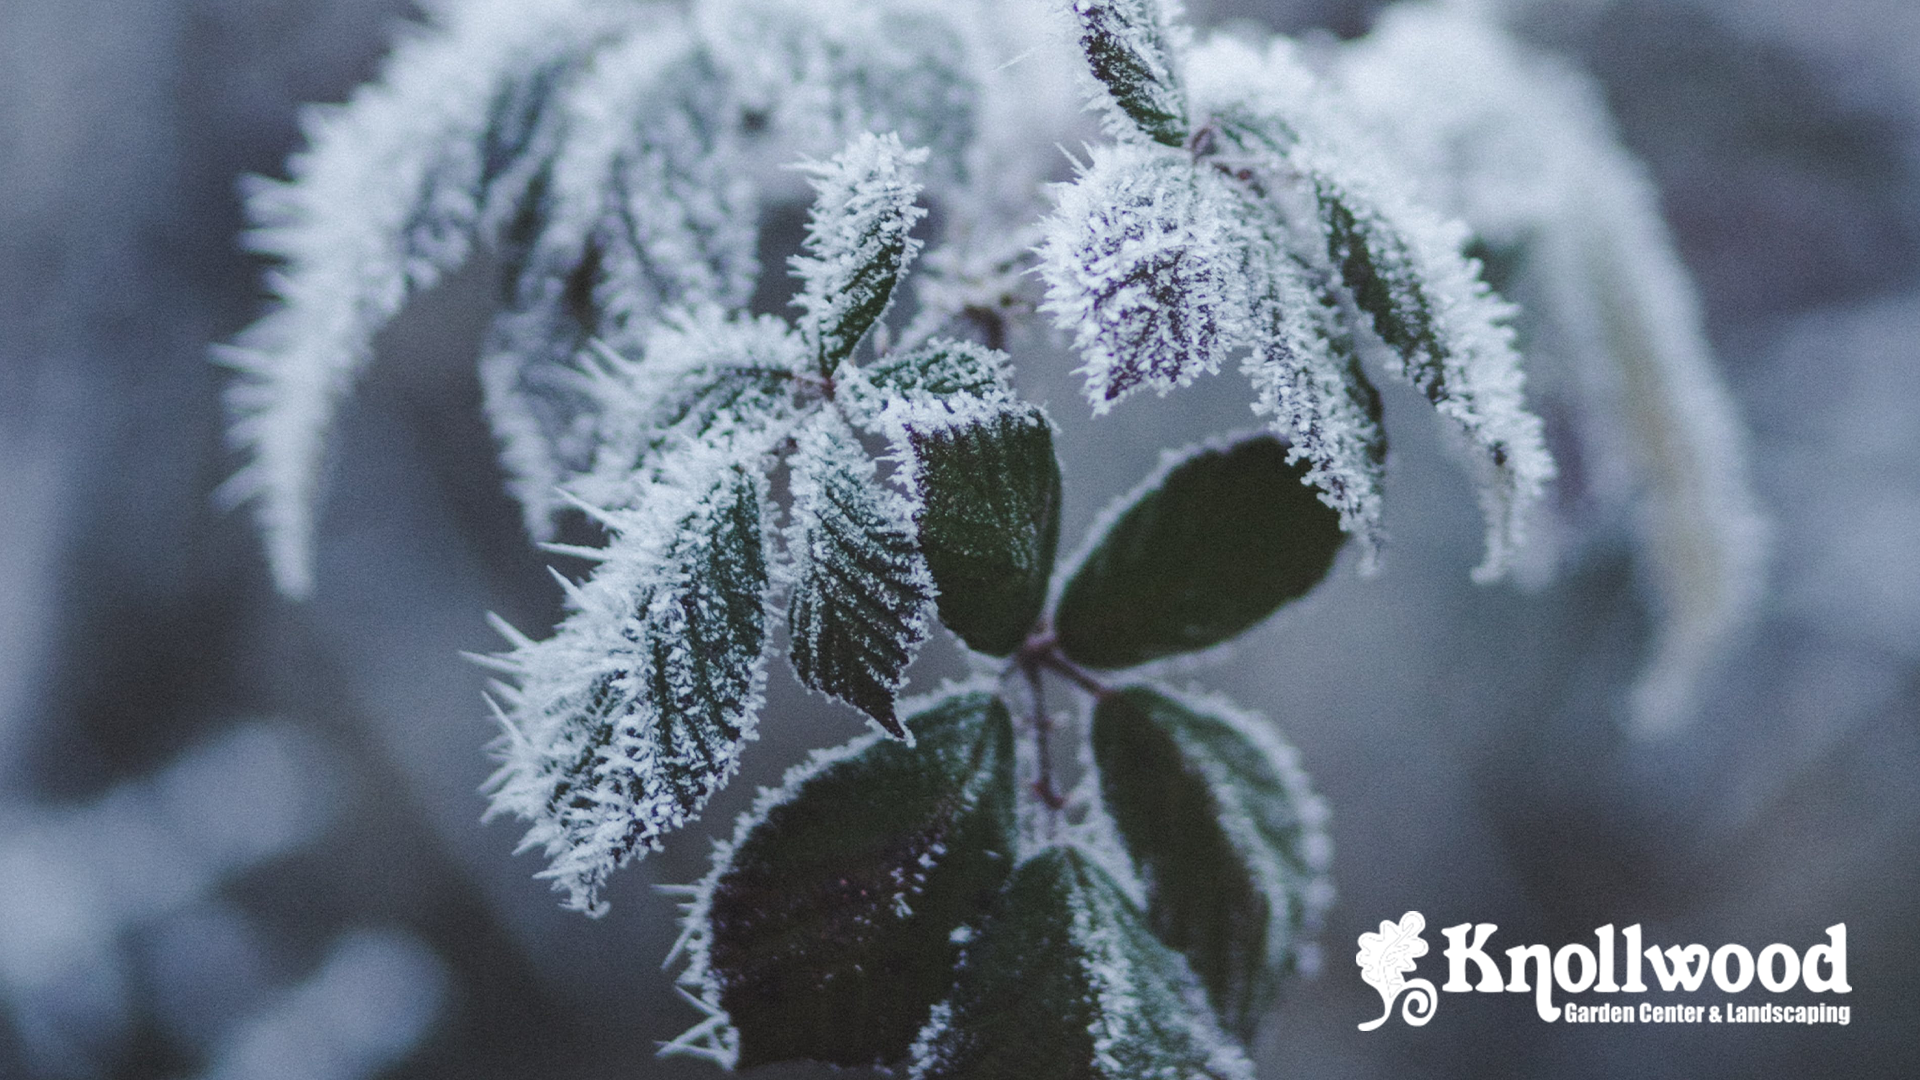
(1173, 777)
(1029, 1002)
(989, 522)
(1220, 542)
(832, 924)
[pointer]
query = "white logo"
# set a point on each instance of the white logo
(1386, 957)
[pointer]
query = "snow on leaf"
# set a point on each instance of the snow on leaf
(645, 209)
(813, 75)
(861, 590)
(1227, 833)
(1065, 979)
(699, 378)
(857, 242)
(1402, 266)
(1520, 146)
(1129, 44)
(827, 927)
(1140, 261)
(625, 721)
(392, 190)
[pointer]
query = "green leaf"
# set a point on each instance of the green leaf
(1126, 45)
(858, 242)
(989, 492)
(1376, 263)
(623, 724)
(1226, 834)
(827, 928)
(1065, 982)
(861, 589)
(1208, 546)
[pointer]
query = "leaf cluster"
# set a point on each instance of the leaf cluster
(943, 905)
(984, 885)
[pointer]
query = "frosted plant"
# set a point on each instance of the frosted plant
(998, 879)
(1520, 147)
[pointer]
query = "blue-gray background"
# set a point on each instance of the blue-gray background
(322, 901)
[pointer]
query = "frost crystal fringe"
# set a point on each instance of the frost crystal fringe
(623, 724)
(1403, 267)
(857, 242)
(394, 188)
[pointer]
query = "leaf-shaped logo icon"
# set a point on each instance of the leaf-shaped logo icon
(1385, 959)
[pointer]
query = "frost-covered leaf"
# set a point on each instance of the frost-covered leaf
(701, 378)
(827, 928)
(812, 75)
(857, 242)
(987, 488)
(861, 589)
(1207, 546)
(941, 368)
(1127, 43)
(624, 723)
(1403, 267)
(1064, 979)
(1305, 369)
(1225, 832)
(392, 191)
(645, 209)
(1450, 333)
(1520, 146)
(1141, 259)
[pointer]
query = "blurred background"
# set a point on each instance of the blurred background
(240, 838)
